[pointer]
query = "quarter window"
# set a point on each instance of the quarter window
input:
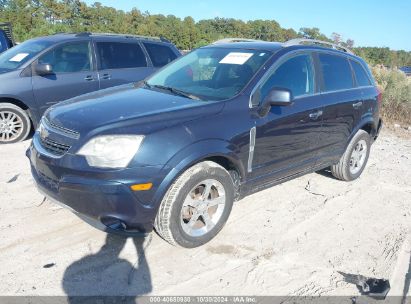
(360, 74)
(115, 55)
(336, 71)
(160, 55)
(296, 75)
(68, 58)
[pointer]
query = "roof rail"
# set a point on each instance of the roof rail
(83, 34)
(233, 40)
(299, 41)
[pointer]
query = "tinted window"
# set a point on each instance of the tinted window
(115, 55)
(211, 73)
(159, 54)
(336, 72)
(296, 74)
(360, 74)
(68, 58)
(22, 53)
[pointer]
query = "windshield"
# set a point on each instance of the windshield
(210, 73)
(17, 56)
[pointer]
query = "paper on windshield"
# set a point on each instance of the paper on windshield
(19, 57)
(236, 58)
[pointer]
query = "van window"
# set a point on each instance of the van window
(160, 55)
(21, 54)
(336, 71)
(360, 74)
(296, 75)
(117, 55)
(68, 58)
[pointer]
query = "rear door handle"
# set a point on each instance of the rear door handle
(89, 78)
(106, 76)
(315, 115)
(357, 105)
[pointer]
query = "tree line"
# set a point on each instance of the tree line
(32, 18)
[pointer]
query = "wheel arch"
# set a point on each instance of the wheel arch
(368, 125)
(22, 105)
(14, 101)
(218, 151)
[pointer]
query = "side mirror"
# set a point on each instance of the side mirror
(44, 69)
(279, 97)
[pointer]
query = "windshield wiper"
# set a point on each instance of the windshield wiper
(173, 90)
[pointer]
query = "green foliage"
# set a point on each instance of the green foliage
(33, 18)
(384, 56)
(43, 17)
(396, 88)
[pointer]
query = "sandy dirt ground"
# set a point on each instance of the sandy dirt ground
(291, 239)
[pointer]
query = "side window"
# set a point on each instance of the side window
(117, 55)
(296, 75)
(336, 71)
(68, 58)
(361, 75)
(160, 55)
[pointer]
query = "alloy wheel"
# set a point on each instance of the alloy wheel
(11, 126)
(358, 156)
(203, 207)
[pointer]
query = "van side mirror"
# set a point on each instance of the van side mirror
(44, 69)
(279, 97)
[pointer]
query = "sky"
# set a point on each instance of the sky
(368, 22)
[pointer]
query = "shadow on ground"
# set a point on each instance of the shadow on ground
(106, 274)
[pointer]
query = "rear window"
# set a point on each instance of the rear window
(336, 72)
(360, 74)
(115, 55)
(160, 55)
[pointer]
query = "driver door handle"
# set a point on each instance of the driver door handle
(106, 76)
(89, 78)
(316, 115)
(357, 105)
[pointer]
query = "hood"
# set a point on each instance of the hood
(125, 106)
(6, 71)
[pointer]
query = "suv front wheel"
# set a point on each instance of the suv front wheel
(15, 124)
(196, 206)
(354, 159)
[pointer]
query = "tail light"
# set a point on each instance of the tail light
(379, 97)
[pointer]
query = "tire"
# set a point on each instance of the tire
(15, 124)
(176, 219)
(346, 169)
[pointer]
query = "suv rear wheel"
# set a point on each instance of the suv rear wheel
(354, 159)
(196, 206)
(14, 123)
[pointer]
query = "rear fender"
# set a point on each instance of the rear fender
(365, 121)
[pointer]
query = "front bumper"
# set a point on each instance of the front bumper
(103, 199)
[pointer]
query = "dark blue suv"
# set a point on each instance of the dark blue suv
(44, 71)
(222, 122)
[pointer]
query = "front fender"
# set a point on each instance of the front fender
(193, 154)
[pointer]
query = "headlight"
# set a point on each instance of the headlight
(111, 151)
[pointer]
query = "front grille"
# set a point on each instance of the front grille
(54, 147)
(65, 131)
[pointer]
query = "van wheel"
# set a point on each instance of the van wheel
(354, 159)
(15, 124)
(196, 206)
